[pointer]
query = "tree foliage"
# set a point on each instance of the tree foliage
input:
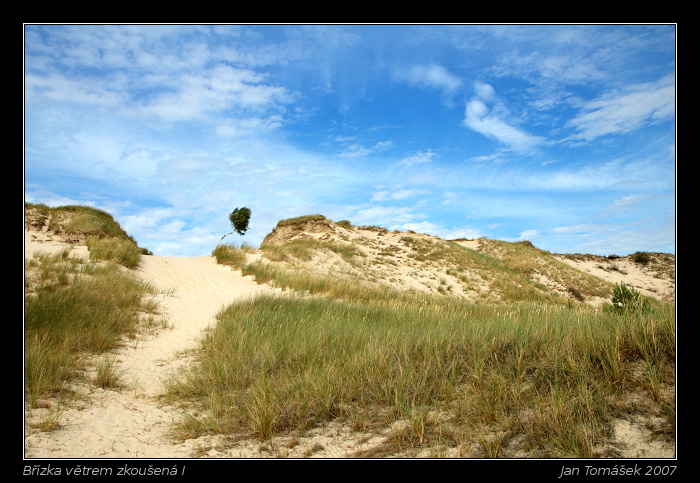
(239, 219)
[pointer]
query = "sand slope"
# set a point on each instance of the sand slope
(131, 423)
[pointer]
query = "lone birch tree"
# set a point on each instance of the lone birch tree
(239, 219)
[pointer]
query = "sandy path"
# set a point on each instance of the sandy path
(131, 423)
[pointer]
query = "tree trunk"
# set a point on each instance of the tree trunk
(227, 234)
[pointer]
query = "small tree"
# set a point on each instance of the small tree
(239, 219)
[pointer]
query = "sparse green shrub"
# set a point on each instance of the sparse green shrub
(86, 220)
(305, 249)
(36, 214)
(575, 292)
(78, 222)
(107, 376)
(642, 258)
(625, 299)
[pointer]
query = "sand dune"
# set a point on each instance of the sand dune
(134, 423)
(131, 423)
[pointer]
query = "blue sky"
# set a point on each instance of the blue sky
(563, 135)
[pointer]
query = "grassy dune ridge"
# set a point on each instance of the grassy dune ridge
(74, 306)
(97, 229)
(533, 373)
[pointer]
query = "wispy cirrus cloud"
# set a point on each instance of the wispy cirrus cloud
(387, 215)
(398, 194)
(625, 110)
(420, 157)
(216, 90)
(432, 76)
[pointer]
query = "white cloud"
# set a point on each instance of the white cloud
(421, 227)
(357, 150)
(244, 127)
(440, 231)
(614, 174)
(385, 216)
(484, 91)
(542, 68)
(627, 202)
(96, 97)
(529, 235)
(433, 76)
(450, 198)
(140, 71)
(57, 87)
(490, 121)
(627, 110)
(642, 233)
(418, 158)
(399, 194)
(216, 90)
(581, 228)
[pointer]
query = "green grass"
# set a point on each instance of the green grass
(524, 258)
(74, 308)
(304, 249)
(107, 375)
(508, 269)
(85, 220)
(231, 255)
(528, 374)
(300, 219)
(341, 286)
(119, 250)
(275, 365)
(525, 370)
(503, 273)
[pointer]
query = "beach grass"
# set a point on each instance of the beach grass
(231, 255)
(73, 308)
(119, 250)
(452, 372)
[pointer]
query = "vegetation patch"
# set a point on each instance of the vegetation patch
(75, 309)
(449, 370)
(301, 219)
(231, 255)
(87, 225)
